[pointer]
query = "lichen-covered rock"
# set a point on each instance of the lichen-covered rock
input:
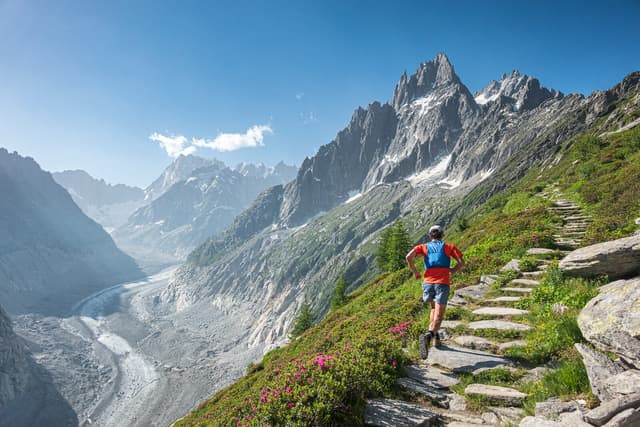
(603, 413)
(617, 259)
(611, 320)
(626, 418)
(599, 369)
(494, 393)
(389, 412)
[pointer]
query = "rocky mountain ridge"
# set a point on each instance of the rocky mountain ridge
(51, 254)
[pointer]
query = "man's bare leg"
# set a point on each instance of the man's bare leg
(436, 317)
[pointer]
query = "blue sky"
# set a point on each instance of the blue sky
(85, 84)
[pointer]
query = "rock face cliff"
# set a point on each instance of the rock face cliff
(51, 254)
(197, 204)
(27, 396)
(428, 156)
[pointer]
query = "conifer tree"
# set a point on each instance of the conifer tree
(304, 320)
(339, 298)
(393, 248)
(399, 247)
(382, 255)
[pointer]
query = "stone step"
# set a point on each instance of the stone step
(498, 324)
(509, 344)
(578, 218)
(520, 290)
(460, 359)
(450, 324)
(505, 299)
(390, 412)
(499, 311)
(532, 274)
(431, 376)
(436, 396)
(499, 395)
(478, 343)
(525, 282)
(569, 234)
(474, 291)
(465, 419)
(539, 251)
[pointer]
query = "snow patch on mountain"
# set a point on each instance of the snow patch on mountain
(430, 174)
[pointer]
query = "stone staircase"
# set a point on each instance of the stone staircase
(464, 351)
(473, 347)
(574, 220)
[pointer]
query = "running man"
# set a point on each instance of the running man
(437, 279)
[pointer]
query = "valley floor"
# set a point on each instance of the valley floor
(120, 361)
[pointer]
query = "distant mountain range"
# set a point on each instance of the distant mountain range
(51, 253)
(193, 199)
(430, 155)
(108, 205)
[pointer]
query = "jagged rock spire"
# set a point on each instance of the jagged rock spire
(432, 74)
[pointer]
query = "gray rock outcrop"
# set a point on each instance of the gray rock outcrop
(618, 259)
(611, 320)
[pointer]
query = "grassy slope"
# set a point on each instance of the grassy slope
(324, 376)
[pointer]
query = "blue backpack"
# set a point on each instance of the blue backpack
(436, 256)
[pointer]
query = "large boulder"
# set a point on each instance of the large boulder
(611, 320)
(618, 259)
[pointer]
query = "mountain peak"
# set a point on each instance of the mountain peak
(429, 76)
(525, 91)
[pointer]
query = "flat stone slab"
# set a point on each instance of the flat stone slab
(505, 299)
(489, 278)
(509, 344)
(539, 251)
(474, 291)
(498, 324)
(436, 396)
(500, 311)
(391, 412)
(534, 274)
(450, 324)
(525, 282)
(513, 265)
(460, 359)
(521, 290)
(495, 393)
(470, 341)
(431, 376)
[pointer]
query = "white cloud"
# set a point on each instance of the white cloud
(299, 95)
(173, 145)
(253, 137)
(177, 145)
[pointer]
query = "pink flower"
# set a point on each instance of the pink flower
(394, 363)
(254, 408)
(287, 390)
(290, 405)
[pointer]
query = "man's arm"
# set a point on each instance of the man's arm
(459, 265)
(410, 257)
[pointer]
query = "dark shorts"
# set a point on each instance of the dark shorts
(435, 292)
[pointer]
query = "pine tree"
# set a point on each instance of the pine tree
(393, 248)
(399, 247)
(382, 256)
(304, 320)
(339, 298)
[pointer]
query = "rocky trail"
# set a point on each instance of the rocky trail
(471, 347)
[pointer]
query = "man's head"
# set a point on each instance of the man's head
(436, 232)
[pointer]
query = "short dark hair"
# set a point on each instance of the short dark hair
(436, 234)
